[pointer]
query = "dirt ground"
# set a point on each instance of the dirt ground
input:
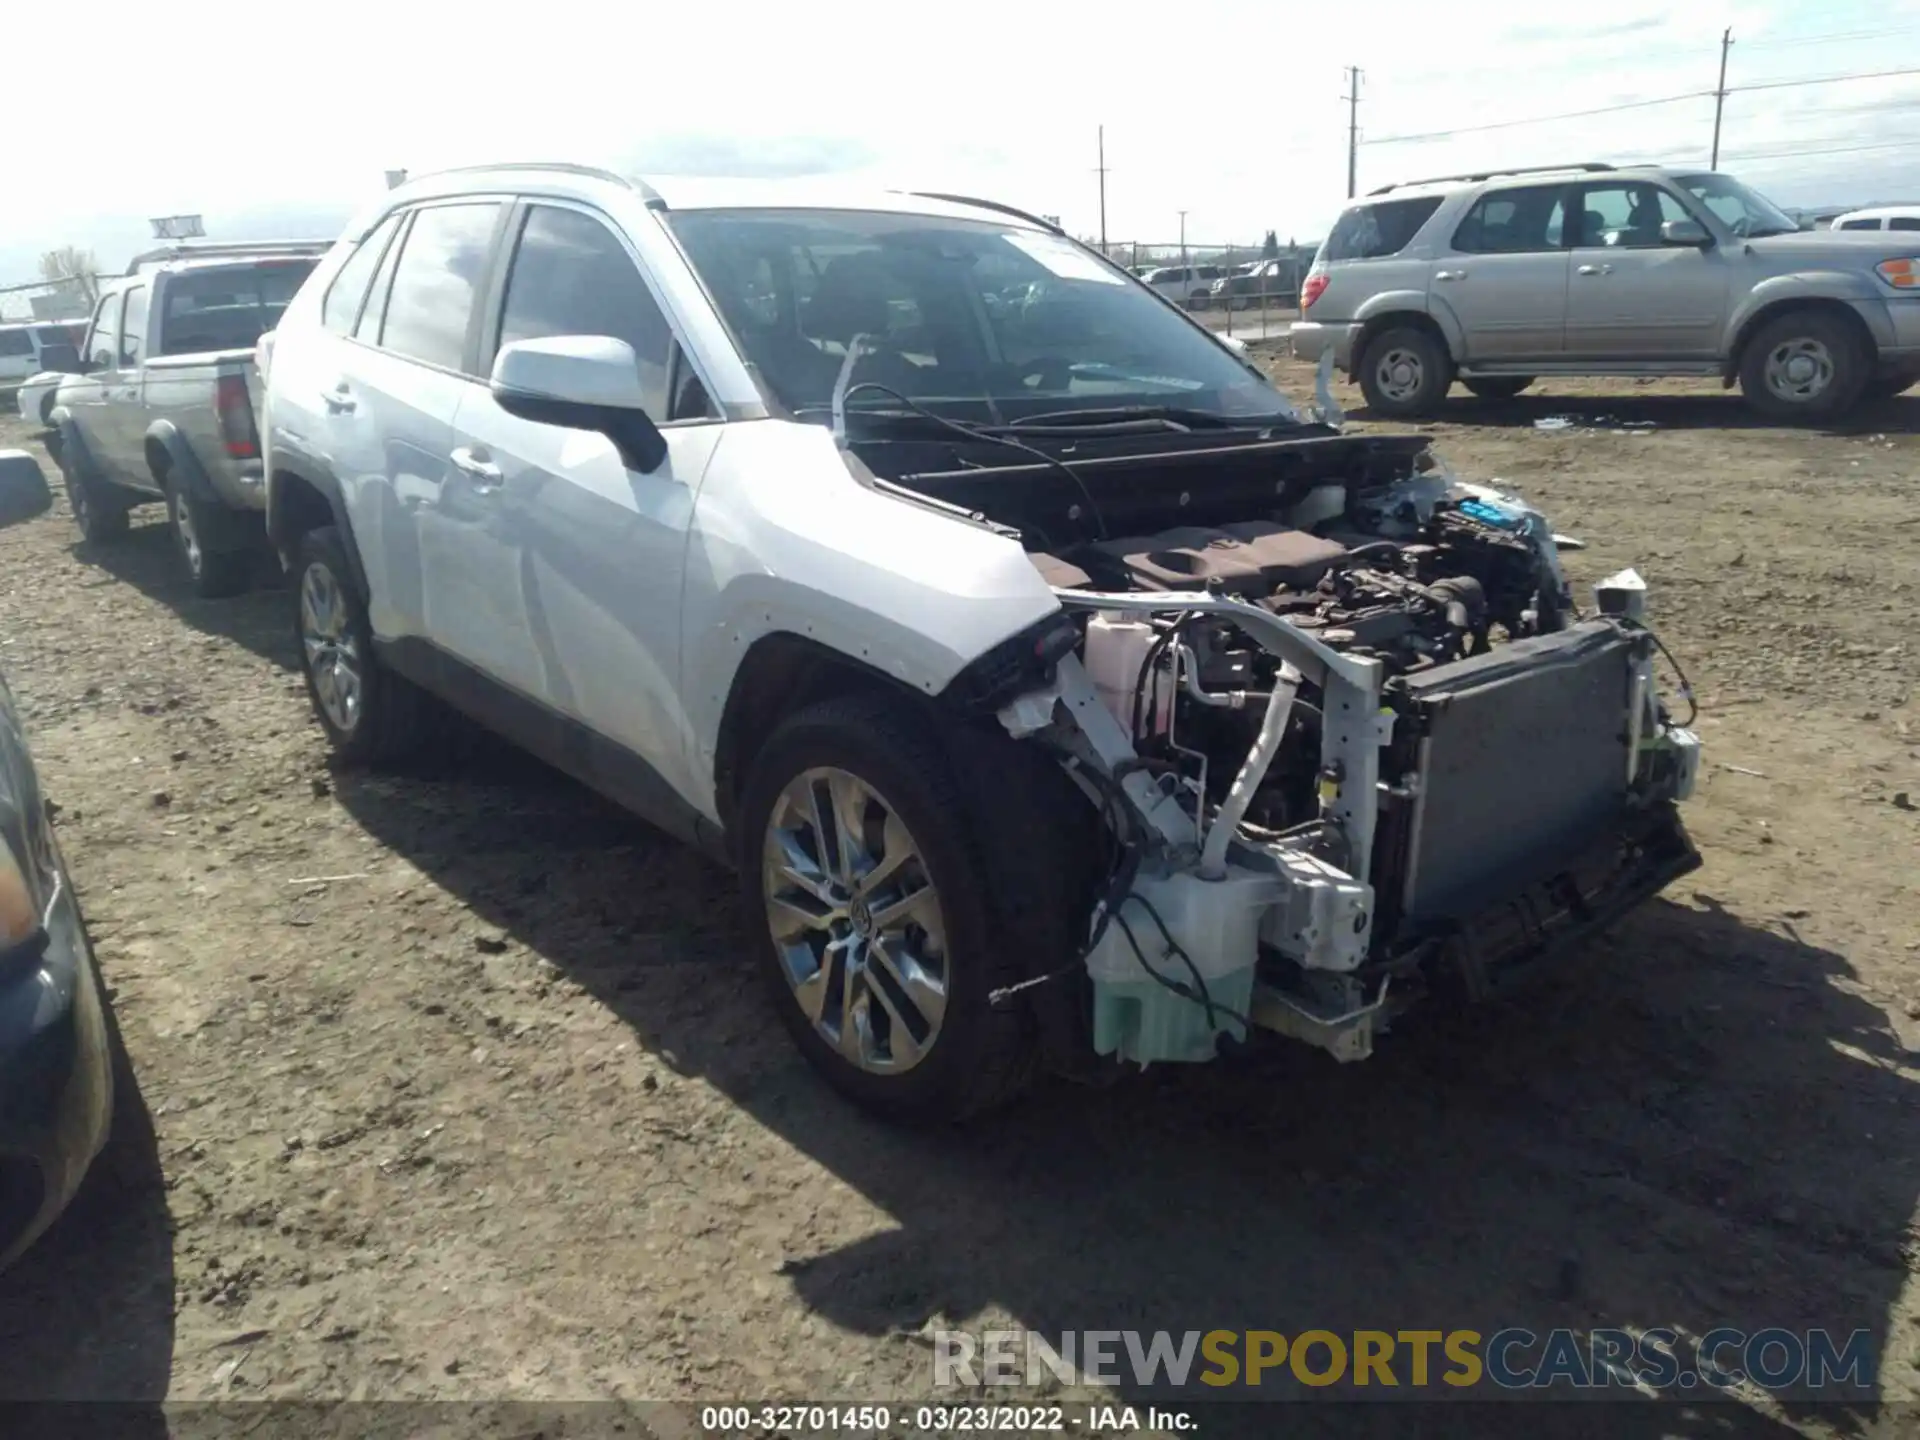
(457, 1084)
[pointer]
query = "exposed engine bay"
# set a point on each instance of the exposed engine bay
(1349, 733)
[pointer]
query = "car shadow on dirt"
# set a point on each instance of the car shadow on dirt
(87, 1314)
(1630, 413)
(1692, 1126)
(146, 559)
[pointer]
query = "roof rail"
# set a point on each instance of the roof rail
(594, 172)
(995, 205)
(1588, 166)
(196, 249)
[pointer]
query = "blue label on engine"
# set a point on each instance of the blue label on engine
(1488, 514)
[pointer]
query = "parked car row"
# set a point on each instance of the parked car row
(1496, 279)
(906, 556)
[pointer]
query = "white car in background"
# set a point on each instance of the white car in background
(1184, 284)
(35, 397)
(1880, 217)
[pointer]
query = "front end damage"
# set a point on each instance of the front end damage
(1350, 753)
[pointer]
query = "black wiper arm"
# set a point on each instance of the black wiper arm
(1184, 417)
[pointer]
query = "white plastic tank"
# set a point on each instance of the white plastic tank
(1116, 650)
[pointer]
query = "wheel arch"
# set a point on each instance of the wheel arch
(300, 499)
(1771, 310)
(1394, 317)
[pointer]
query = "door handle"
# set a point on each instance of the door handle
(476, 467)
(1449, 274)
(338, 401)
(1595, 270)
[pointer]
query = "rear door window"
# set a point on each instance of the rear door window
(1379, 228)
(1515, 222)
(1904, 222)
(340, 312)
(133, 330)
(15, 342)
(435, 282)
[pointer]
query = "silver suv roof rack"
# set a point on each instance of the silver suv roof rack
(200, 249)
(1588, 166)
(993, 205)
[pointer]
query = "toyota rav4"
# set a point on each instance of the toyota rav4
(1058, 692)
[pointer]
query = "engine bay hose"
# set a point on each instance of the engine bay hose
(1273, 728)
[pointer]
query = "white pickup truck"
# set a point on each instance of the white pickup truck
(163, 409)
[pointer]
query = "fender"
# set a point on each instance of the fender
(72, 454)
(183, 466)
(288, 518)
(1856, 291)
(1416, 302)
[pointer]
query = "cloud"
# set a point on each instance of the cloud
(777, 157)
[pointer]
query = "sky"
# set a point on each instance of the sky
(1230, 110)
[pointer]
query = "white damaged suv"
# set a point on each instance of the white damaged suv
(1059, 693)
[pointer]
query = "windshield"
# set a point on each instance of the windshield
(1745, 212)
(971, 319)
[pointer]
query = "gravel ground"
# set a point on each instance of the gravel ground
(456, 1084)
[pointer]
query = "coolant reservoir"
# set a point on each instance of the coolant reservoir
(1116, 650)
(1217, 924)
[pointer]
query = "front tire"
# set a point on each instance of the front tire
(370, 714)
(1405, 372)
(1807, 366)
(97, 512)
(1497, 387)
(877, 929)
(214, 574)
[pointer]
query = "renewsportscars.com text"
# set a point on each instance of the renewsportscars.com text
(1514, 1358)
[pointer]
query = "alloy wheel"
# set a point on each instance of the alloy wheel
(334, 662)
(855, 920)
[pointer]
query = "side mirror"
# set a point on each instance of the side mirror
(23, 488)
(1685, 232)
(583, 382)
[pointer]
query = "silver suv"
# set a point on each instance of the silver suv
(1496, 279)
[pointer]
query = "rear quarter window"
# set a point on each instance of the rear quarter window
(1379, 228)
(15, 342)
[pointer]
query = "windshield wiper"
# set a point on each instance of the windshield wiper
(1179, 417)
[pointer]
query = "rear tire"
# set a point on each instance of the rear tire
(1807, 365)
(1405, 372)
(214, 574)
(1498, 387)
(844, 1007)
(370, 714)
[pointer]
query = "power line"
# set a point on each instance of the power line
(1825, 80)
(1539, 119)
(1643, 105)
(1839, 37)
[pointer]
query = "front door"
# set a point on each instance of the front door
(591, 552)
(85, 396)
(1505, 281)
(1631, 295)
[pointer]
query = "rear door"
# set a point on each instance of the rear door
(1504, 278)
(124, 418)
(1632, 296)
(388, 424)
(594, 551)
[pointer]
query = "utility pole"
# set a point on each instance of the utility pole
(1183, 237)
(1103, 189)
(1720, 95)
(1352, 97)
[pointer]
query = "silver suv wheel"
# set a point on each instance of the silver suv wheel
(333, 655)
(855, 920)
(182, 514)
